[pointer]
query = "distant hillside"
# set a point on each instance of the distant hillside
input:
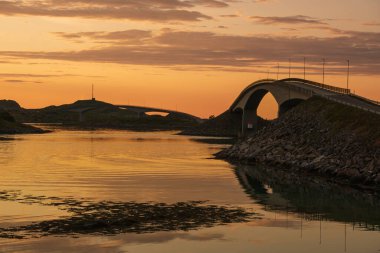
(226, 124)
(98, 114)
(8, 125)
(9, 105)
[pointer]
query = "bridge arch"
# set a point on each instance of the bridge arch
(256, 97)
(285, 94)
(250, 118)
(290, 92)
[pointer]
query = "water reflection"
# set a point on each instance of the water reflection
(112, 218)
(296, 214)
(309, 197)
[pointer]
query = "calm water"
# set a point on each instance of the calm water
(297, 214)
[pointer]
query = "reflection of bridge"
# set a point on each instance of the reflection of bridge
(289, 93)
(282, 191)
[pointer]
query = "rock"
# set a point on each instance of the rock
(309, 139)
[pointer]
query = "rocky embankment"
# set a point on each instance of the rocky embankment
(8, 125)
(318, 137)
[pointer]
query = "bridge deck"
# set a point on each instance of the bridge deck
(348, 99)
(311, 88)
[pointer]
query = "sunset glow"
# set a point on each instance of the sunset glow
(195, 56)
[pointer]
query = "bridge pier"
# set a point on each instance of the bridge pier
(81, 117)
(249, 121)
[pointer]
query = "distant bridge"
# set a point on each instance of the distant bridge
(289, 93)
(90, 105)
(140, 110)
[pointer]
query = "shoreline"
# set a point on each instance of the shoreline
(318, 137)
(300, 172)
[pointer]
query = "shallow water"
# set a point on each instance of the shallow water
(297, 214)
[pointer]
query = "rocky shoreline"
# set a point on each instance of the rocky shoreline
(8, 126)
(318, 137)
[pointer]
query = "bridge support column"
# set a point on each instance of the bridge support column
(249, 121)
(81, 117)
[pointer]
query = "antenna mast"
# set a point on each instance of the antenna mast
(92, 94)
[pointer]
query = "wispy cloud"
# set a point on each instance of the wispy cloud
(293, 20)
(15, 81)
(372, 24)
(261, 1)
(170, 48)
(27, 75)
(229, 16)
(132, 36)
(151, 10)
(17, 75)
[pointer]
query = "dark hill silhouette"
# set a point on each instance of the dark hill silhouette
(8, 125)
(9, 105)
(99, 114)
(226, 124)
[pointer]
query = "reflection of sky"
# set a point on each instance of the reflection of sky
(117, 165)
(234, 238)
(12, 213)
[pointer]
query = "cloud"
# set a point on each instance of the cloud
(20, 81)
(261, 1)
(189, 49)
(229, 16)
(140, 10)
(15, 81)
(372, 24)
(18, 75)
(211, 3)
(294, 20)
(131, 36)
(26, 75)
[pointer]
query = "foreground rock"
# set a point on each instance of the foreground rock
(318, 137)
(110, 218)
(8, 125)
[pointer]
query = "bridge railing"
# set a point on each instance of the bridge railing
(365, 99)
(368, 109)
(319, 85)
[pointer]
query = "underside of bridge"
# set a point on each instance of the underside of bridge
(250, 119)
(249, 103)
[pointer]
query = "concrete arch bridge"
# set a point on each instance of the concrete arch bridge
(289, 93)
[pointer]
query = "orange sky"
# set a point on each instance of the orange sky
(193, 55)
